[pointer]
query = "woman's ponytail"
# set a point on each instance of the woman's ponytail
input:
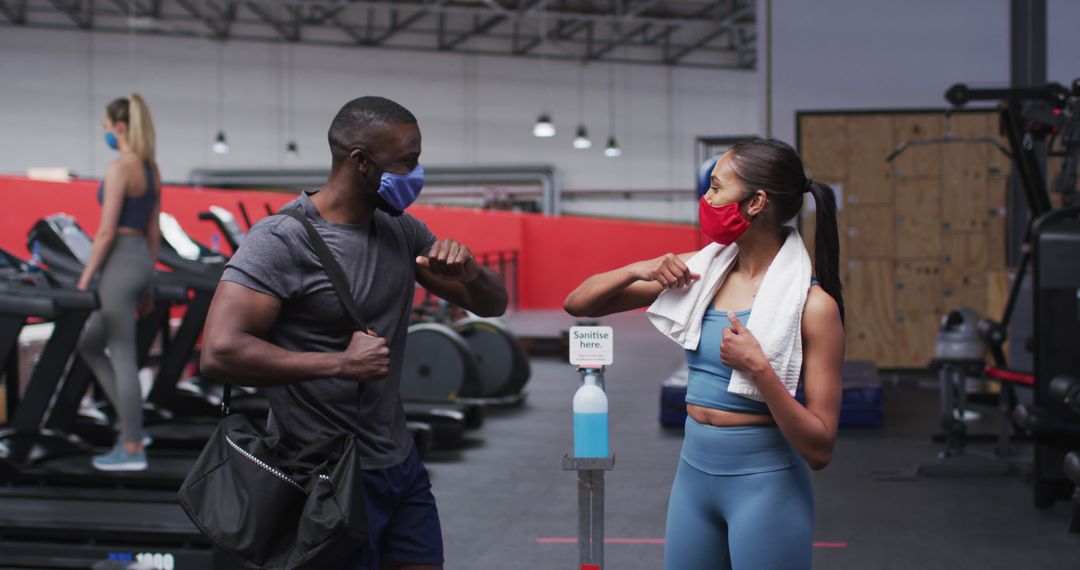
(774, 167)
(140, 128)
(827, 243)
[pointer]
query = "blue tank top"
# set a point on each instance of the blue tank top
(709, 377)
(135, 213)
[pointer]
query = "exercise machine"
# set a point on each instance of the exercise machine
(40, 445)
(1051, 242)
(226, 222)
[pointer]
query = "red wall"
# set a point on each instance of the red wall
(555, 253)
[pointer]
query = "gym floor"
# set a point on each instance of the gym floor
(506, 503)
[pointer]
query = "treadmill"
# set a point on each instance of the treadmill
(198, 268)
(37, 449)
(226, 222)
(93, 529)
(24, 297)
(71, 527)
(64, 244)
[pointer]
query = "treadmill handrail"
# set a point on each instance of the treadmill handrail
(41, 308)
(61, 298)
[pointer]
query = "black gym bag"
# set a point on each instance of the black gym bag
(276, 513)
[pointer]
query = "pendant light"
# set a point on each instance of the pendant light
(543, 128)
(221, 146)
(581, 137)
(612, 150)
(292, 150)
(581, 140)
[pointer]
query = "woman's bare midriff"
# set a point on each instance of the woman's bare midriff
(130, 231)
(721, 418)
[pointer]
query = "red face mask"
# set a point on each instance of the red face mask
(723, 224)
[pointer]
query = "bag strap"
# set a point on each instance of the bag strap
(337, 279)
(331, 266)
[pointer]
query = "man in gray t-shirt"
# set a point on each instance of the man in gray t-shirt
(276, 321)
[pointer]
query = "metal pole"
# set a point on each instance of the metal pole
(1027, 68)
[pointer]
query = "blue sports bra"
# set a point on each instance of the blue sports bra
(709, 378)
(135, 213)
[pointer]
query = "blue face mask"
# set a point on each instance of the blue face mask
(111, 141)
(399, 191)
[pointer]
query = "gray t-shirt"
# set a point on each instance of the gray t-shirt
(277, 258)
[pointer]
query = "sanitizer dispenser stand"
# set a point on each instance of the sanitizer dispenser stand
(590, 483)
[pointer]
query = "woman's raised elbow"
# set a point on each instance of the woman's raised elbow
(574, 309)
(819, 460)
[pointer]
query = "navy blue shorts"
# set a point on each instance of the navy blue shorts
(403, 522)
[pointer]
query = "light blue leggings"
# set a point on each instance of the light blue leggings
(742, 499)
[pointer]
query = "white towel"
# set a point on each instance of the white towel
(775, 320)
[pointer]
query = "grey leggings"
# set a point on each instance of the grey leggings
(123, 281)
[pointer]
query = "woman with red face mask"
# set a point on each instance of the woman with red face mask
(742, 496)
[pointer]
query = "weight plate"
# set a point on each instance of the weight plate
(503, 366)
(438, 364)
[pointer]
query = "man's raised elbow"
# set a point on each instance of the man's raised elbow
(495, 309)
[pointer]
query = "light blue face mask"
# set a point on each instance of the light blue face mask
(111, 140)
(399, 191)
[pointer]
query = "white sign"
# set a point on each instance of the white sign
(591, 345)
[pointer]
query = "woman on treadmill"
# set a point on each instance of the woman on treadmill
(122, 260)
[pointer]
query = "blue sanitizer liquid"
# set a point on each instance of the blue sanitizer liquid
(591, 434)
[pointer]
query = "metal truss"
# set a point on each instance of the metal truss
(710, 34)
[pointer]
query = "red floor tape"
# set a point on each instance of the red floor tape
(660, 541)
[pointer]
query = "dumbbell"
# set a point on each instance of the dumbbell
(1072, 471)
(1064, 391)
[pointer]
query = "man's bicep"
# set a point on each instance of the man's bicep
(237, 310)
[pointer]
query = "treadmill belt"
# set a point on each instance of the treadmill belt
(39, 532)
(188, 433)
(96, 519)
(165, 471)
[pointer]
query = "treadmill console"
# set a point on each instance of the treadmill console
(174, 237)
(62, 233)
(227, 222)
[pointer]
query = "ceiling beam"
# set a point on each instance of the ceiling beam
(218, 26)
(639, 8)
(486, 25)
(14, 12)
(659, 31)
(133, 9)
(79, 11)
(289, 29)
(724, 26)
(616, 42)
(429, 7)
(480, 28)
